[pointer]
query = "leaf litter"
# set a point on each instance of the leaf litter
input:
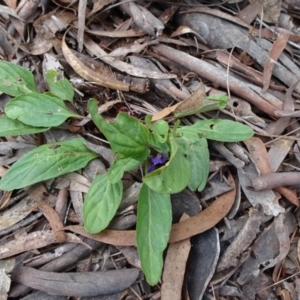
(162, 57)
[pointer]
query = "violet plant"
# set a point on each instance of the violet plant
(180, 159)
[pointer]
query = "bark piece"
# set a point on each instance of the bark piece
(275, 180)
(184, 202)
(202, 262)
(243, 240)
(266, 198)
(82, 284)
(143, 18)
(271, 247)
(66, 261)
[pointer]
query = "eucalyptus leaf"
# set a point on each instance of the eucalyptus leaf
(154, 220)
(101, 203)
(126, 135)
(174, 176)
(220, 130)
(197, 153)
(15, 80)
(46, 162)
(10, 127)
(59, 87)
(37, 109)
(123, 164)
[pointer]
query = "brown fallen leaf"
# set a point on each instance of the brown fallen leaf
(249, 13)
(55, 222)
(129, 69)
(201, 222)
(5, 198)
(174, 268)
(11, 3)
(98, 5)
(23, 208)
(260, 156)
(89, 74)
(274, 54)
(184, 30)
(32, 241)
(186, 107)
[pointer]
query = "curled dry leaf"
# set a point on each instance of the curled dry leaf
(122, 66)
(54, 220)
(186, 107)
(273, 56)
(89, 74)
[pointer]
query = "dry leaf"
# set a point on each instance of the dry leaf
(274, 54)
(55, 222)
(89, 74)
(174, 268)
(186, 107)
(33, 241)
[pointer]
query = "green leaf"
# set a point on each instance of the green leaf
(123, 164)
(38, 110)
(220, 130)
(197, 153)
(159, 128)
(46, 162)
(172, 177)
(61, 88)
(15, 80)
(101, 203)
(154, 143)
(126, 135)
(9, 127)
(154, 219)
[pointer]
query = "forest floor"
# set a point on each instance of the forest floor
(234, 233)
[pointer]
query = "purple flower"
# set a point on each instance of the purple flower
(157, 161)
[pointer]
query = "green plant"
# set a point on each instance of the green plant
(172, 158)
